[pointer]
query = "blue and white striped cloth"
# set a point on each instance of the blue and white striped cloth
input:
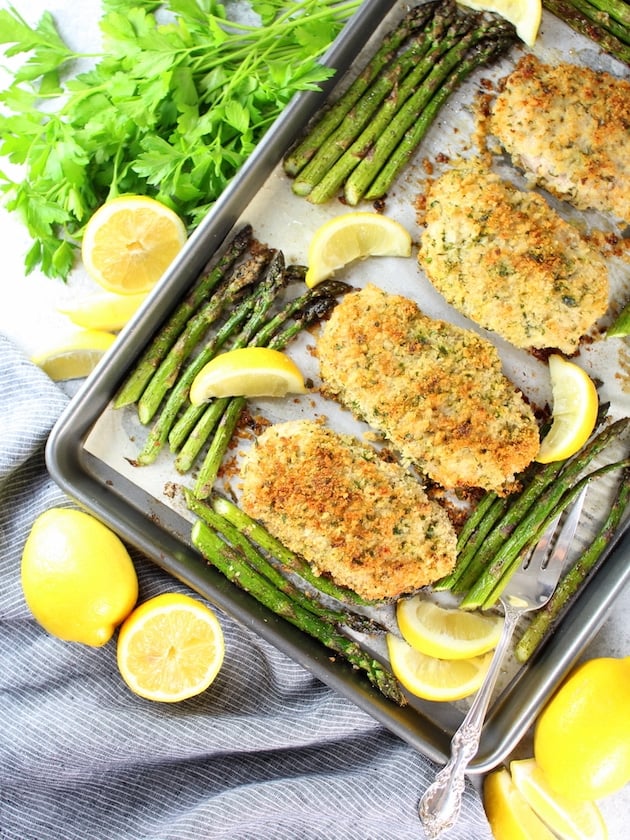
(269, 752)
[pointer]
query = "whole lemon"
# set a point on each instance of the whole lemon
(582, 736)
(77, 576)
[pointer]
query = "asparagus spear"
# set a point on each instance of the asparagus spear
(253, 555)
(604, 19)
(362, 112)
(134, 385)
(256, 304)
(567, 12)
(484, 591)
(438, 44)
(367, 170)
(475, 518)
(467, 552)
(228, 562)
(166, 375)
(256, 532)
(412, 137)
(221, 440)
(415, 19)
(621, 325)
(201, 421)
(193, 428)
(185, 425)
(562, 504)
(528, 528)
(471, 567)
(618, 10)
(545, 619)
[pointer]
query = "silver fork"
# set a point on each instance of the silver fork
(529, 589)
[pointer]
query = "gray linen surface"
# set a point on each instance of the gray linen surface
(267, 752)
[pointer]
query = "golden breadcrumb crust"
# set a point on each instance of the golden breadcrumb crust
(349, 513)
(509, 262)
(434, 390)
(568, 126)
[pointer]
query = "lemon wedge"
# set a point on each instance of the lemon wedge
(104, 311)
(170, 648)
(432, 678)
(525, 15)
(508, 813)
(129, 242)
(247, 372)
(446, 633)
(575, 405)
(569, 819)
(77, 357)
(350, 237)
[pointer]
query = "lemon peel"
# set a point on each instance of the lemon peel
(509, 815)
(567, 818)
(78, 579)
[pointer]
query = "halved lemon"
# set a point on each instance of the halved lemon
(106, 311)
(354, 236)
(508, 813)
(247, 372)
(524, 14)
(77, 356)
(129, 243)
(568, 819)
(444, 632)
(170, 648)
(432, 678)
(575, 406)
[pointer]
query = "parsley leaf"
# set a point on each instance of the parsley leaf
(176, 101)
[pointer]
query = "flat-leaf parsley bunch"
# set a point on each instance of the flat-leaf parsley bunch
(177, 100)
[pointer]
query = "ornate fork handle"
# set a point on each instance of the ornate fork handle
(441, 803)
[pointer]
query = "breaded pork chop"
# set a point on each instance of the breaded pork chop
(349, 513)
(569, 127)
(434, 390)
(509, 262)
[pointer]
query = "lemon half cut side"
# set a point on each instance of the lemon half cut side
(129, 243)
(354, 236)
(170, 648)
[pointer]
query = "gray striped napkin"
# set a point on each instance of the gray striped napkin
(269, 752)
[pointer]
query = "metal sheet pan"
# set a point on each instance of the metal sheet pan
(91, 446)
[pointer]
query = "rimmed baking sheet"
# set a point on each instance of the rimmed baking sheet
(92, 448)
